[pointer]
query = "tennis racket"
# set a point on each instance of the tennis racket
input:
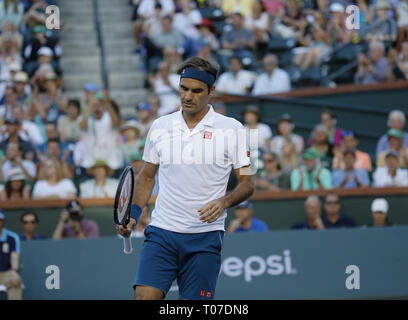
(123, 202)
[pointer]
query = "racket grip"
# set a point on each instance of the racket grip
(127, 245)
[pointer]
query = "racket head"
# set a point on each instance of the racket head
(124, 197)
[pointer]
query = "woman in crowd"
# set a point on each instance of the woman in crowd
(285, 132)
(259, 23)
(101, 186)
(68, 124)
(132, 145)
(54, 186)
(271, 177)
(15, 188)
(289, 158)
(320, 142)
(329, 120)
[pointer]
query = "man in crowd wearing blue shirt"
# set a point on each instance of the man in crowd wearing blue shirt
(350, 177)
(9, 256)
(29, 222)
(244, 221)
(333, 219)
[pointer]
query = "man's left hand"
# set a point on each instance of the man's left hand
(211, 211)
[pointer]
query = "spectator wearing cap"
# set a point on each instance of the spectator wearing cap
(350, 141)
(13, 134)
(273, 79)
(90, 89)
(396, 120)
(313, 210)
(52, 103)
(336, 28)
(15, 187)
(379, 212)
(54, 186)
(244, 221)
(252, 119)
(285, 127)
(29, 223)
(72, 223)
(44, 64)
(207, 34)
(68, 124)
(372, 69)
(23, 89)
(99, 141)
(236, 80)
(391, 175)
(271, 177)
(384, 28)
(320, 142)
(102, 185)
(145, 117)
(9, 261)
(14, 159)
(395, 142)
(310, 175)
(333, 218)
(131, 147)
(165, 85)
(238, 40)
(350, 177)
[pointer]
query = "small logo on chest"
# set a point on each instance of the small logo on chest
(207, 135)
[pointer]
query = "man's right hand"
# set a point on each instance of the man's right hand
(64, 216)
(125, 232)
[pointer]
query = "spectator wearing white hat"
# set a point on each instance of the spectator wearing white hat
(10, 44)
(384, 27)
(23, 89)
(379, 212)
(336, 28)
(15, 187)
(43, 65)
(102, 185)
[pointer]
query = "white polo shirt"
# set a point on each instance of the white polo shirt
(194, 167)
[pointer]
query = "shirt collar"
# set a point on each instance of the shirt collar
(208, 120)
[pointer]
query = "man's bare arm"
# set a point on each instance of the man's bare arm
(144, 184)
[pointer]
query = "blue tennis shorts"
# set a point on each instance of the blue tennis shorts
(194, 259)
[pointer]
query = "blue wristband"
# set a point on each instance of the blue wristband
(135, 211)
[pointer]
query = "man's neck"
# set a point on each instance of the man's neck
(246, 224)
(392, 172)
(193, 119)
(29, 235)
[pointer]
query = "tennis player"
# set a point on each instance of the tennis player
(184, 238)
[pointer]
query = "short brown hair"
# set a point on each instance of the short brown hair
(201, 64)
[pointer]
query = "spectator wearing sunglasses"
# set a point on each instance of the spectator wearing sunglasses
(29, 223)
(333, 218)
(350, 177)
(350, 141)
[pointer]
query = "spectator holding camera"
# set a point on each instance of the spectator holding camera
(372, 69)
(72, 224)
